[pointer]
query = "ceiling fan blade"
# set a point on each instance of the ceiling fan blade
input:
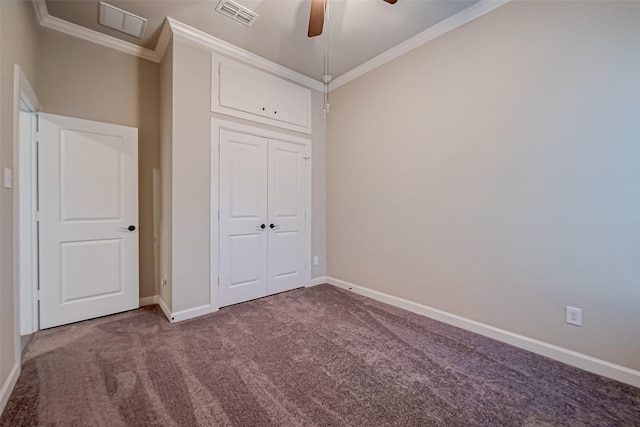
(316, 18)
(391, 1)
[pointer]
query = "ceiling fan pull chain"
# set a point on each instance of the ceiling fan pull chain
(326, 78)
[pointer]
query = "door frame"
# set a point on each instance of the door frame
(24, 94)
(214, 243)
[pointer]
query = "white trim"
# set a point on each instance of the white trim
(22, 90)
(164, 308)
(561, 354)
(204, 39)
(93, 36)
(25, 87)
(144, 301)
(218, 124)
(451, 23)
(317, 281)
(220, 46)
(24, 219)
(35, 248)
(214, 215)
(42, 11)
(9, 384)
(190, 313)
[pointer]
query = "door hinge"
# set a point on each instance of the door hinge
(218, 281)
(218, 148)
(37, 216)
(218, 214)
(38, 294)
(307, 157)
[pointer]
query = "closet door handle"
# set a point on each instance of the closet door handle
(274, 225)
(261, 227)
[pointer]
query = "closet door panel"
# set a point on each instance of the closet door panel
(249, 93)
(287, 201)
(290, 103)
(243, 89)
(243, 211)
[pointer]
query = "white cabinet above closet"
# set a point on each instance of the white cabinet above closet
(242, 91)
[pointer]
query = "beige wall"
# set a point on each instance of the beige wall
(493, 173)
(166, 140)
(191, 194)
(81, 79)
(18, 45)
(191, 189)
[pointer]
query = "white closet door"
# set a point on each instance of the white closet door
(88, 202)
(243, 214)
(287, 201)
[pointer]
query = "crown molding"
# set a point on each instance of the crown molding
(42, 12)
(220, 46)
(169, 28)
(78, 31)
(454, 21)
(186, 32)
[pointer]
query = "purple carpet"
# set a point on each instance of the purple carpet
(310, 357)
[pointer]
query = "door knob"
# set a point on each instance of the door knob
(129, 228)
(263, 226)
(274, 225)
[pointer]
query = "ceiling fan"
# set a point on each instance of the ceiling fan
(316, 18)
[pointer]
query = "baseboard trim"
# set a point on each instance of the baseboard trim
(190, 313)
(144, 301)
(9, 384)
(561, 354)
(317, 281)
(164, 308)
(187, 314)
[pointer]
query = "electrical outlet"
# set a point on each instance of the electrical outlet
(164, 281)
(574, 316)
(316, 260)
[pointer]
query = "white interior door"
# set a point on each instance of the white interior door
(287, 224)
(88, 208)
(243, 217)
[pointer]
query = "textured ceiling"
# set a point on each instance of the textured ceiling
(358, 29)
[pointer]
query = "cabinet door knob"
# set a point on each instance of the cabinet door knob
(262, 108)
(275, 112)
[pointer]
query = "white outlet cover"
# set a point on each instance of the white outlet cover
(8, 178)
(574, 316)
(316, 260)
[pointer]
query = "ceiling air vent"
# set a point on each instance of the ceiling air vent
(239, 13)
(121, 20)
